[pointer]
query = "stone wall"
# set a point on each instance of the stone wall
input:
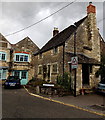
(48, 58)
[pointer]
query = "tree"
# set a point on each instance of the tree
(101, 71)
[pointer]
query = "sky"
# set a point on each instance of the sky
(18, 15)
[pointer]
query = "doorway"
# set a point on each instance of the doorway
(23, 75)
(85, 74)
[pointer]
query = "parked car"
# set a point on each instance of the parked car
(12, 81)
(101, 86)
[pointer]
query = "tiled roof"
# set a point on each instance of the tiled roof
(2, 38)
(61, 37)
(83, 59)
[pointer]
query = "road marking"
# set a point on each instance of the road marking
(70, 105)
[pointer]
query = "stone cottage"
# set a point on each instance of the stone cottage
(55, 56)
(22, 59)
(17, 59)
(5, 47)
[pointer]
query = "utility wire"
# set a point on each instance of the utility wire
(40, 20)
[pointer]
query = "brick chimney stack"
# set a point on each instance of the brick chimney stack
(93, 33)
(91, 8)
(55, 31)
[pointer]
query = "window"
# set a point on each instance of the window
(55, 50)
(20, 57)
(3, 56)
(16, 73)
(17, 57)
(3, 74)
(0, 75)
(3, 44)
(40, 70)
(24, 75)
(54, 68)
(21, 74)
(40, 56)
(25, 58)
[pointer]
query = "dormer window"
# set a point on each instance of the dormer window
(55, 50)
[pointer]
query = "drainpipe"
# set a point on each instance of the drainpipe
(75, 71)
(63, 59)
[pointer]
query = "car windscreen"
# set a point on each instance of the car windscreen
(12, 78)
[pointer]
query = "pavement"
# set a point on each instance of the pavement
(92, 103)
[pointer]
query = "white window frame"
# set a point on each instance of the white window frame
(1, 55)
(20, 55)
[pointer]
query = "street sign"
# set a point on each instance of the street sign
(74, 62)
(48, 85)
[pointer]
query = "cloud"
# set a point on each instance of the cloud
(18, 15)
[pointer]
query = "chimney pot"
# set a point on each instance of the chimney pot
(90, 3)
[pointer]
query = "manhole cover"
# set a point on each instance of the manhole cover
(98, 107)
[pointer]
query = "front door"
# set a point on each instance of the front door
(23, 75)
(85, 74)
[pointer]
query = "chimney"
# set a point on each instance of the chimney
(91, 8)
(55, 31)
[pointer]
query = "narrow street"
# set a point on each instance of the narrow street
(17, 103)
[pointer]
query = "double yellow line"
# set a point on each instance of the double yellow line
(70, 105)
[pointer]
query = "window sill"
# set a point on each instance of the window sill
(22, 61)
(39, 74)
(3, 60)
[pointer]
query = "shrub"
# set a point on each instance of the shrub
(36, 82)
(64, 81)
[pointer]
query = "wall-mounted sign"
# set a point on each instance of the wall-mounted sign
(74, 62)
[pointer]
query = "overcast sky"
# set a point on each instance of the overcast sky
(18, 15)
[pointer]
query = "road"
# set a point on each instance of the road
(17, 103)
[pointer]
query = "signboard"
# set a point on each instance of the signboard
(74, 62)
(49, 85)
